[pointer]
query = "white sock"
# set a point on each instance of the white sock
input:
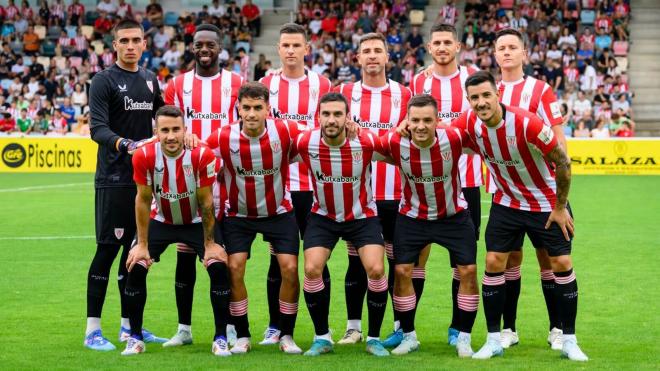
(184, 327)
(494, 336)
(412, 334)
(125, 323)
(462, 335)
(354, 324)
(288, 337)
(369, 338)
(397, 325)
(93, 324)
(324, 337)
(570, 338)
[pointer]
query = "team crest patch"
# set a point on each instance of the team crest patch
(554, 110)
(314, 93)
(446, 155)
(357, 157)
(150, 85)
(119, 233)
(276, 146)
(511, 141)
(526, 97)
(188, 170)
(396, 101)
(226, 92)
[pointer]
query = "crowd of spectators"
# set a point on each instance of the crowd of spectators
(579, 47)
(49, 53)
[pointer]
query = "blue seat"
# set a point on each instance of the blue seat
(587, 17)
(48, 49)
(171, 18)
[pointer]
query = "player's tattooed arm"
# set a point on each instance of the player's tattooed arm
(140, 252)
(212, 250)
(560, 214)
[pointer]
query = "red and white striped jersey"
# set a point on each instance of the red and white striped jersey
(449, 14)
(77, 9)
(174, 181)
(532, 95)
(513, 152)
(432, 187)
(297, 100)
(255, 169)
(10, 12)
(379, 110)
(449, 94)
(341, 174)
(207, 102)
(80, 42)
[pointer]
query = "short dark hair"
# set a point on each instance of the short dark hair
(126, 24)
(253, 90)
(509, 31)
(372, 36)
(293, 28)
(423, 100)
(209, 27)
(480, 77)
(444, 27)
(168, 111)
(334, 97)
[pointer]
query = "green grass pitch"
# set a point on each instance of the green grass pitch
(42, 290)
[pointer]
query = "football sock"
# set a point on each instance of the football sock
(238, 311)
(376, 303)
(184, 285)
(493, 294)
(97, 278)
(566, 289)
(273, 283)
(288, 315)
(317, 304)
(418, 280)
(219, 293)
(93, 324)
(548, 287)
(467, 308)
(512, 283)
(136, 297)
(455, 283)
(390, 286)
(122, 277)
(125, 322)
(404, 306)
(355, 285)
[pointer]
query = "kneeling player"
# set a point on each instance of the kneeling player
(432, 210)
(179, 181)
(343, 208)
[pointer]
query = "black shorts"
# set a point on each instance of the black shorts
(115, 215)
(455, 233)
(161, 235)
(325, 232)
(472, 196)
(387, 213)
(507, 227)
(302, 204)
(280, 230)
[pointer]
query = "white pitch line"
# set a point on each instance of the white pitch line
(36, 188)
(47, 238)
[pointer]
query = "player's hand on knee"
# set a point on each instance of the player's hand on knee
(214, 251)
(138, 253)
(191, 141)
(563, 218)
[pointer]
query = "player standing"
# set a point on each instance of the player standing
(294, 94)
(207, 97)
(377, 104)
(122, 100)
(343, 208)
(531, 198)
(175, 203)
(535, 96)
(444, 81)
(432, 210)
(255, 154)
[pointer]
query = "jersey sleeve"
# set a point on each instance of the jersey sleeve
(213, 142)
(170, 90)
(294, 153)
(99, 112)
(540, 136)
(379, 153)
(549, 108)
(406, 95)
(140, 168)
(207, 168)
(158, 96)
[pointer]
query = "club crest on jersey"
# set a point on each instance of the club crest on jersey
(226, 92)
(446, 156)
(357, 157)
(119, 233)
(314, 93)
(150, 85)
(188, 170)
(396, 101)
(526, 97)
(511, 140)
(276, 146)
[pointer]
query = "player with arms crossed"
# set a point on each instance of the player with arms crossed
(444, 81)
(531, 198)
(255, 152)
(122, 100)
(535, 96)
(175, 203)
(207, 97)
(343, 208)
(377, 104)
(294, 94)
(432, 210)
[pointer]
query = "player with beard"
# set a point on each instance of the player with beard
(207, 96)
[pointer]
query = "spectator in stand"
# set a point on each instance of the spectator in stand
(216, 9)
(244, 63)
(57, 9)
(572, 75)
(79, 97)
(154, 13)
(161, 39)
(171, 57)
(603, 41)
(58, 123)
(448, 13)
(102, 25)
(68, 112)
(76, 13)
(621, 106)
(567, 40)
(626, 130)
(30, 42)
(415, 43)
(40, 124)
(581, 131)
(604, 61)
(253, 15)
(588, 81)
(600, 131)
(108, 7)
(554, 53)
(124, 9)
(7, 124)
(24, 123)
(330, 23)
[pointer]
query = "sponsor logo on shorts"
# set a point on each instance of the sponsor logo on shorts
(13, 155)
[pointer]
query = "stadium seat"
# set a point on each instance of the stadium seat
(90, 17)
(587, 17)
(44, 61)
(506, 4)
(98, 46)
(16, 47)
(418, 4)
(620, 48)
(71, 31)
(7, 29)
(416, 17)
(54, 33)
(87, 31)
(171, 18)
(622, 62)
(48, 49)
(40, 30)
